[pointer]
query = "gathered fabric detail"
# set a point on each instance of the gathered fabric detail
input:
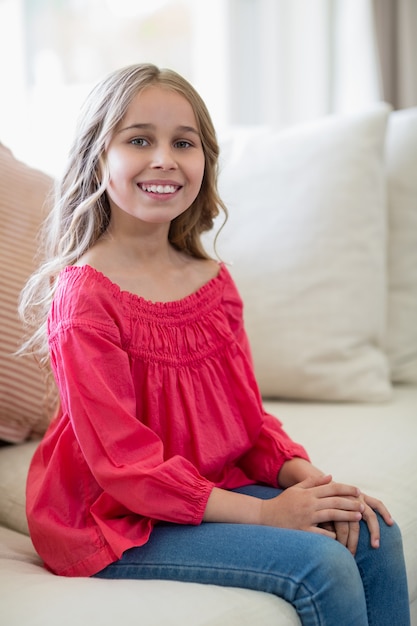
(159, 404)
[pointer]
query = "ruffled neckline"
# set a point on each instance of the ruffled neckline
(187, 302)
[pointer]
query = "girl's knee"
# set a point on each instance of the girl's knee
(335, 561)
(388, 559)
(333, 586)
(390, 537)
(329, 565)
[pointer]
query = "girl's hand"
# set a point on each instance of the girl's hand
(371, 505)
(308, 505)
(347, 533)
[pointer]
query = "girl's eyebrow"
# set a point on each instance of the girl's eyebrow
(137, 126)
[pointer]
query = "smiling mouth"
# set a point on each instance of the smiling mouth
(161, 189)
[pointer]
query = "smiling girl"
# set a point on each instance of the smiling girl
(161, 461)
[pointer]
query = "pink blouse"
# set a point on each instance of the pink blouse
(159, 404)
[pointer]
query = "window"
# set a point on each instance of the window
(57, 49)
(275, 62)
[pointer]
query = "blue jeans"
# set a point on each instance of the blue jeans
(316, 574)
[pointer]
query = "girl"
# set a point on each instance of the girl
(161, 462)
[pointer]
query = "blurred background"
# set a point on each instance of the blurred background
(273, 62)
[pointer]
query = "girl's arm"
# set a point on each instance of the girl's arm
(272, 448)
(311, 501)
(347, 533)
(303, 506)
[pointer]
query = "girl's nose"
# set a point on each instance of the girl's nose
(163, 157)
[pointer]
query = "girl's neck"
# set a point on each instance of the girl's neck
(153, 270)
(148, 246)
(120, 253)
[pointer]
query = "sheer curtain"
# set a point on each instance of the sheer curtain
(396, 30)
(269, 62)
(294, 60)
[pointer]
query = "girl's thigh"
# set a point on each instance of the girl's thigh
(306, 569)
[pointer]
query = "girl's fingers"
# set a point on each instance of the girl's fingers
(369, 516)
(379, 506)
(337, 489)
(319, 530)
(373, 526)
(336, 515)
(342, 532)
(353, 538)
(340, 504)
(315, 481)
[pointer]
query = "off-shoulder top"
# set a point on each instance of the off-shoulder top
(158, 404)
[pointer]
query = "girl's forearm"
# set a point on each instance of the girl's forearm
(236, 508)
(232, 508)
(296, 470)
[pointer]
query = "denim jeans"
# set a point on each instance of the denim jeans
(316, 574)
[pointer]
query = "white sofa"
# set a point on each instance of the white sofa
(322, 238)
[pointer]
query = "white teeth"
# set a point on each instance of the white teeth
(159, 188)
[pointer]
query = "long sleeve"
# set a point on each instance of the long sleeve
(273, 447)
(125, 457)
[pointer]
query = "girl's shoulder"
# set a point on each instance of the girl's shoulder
(202, 272)
(82, 292)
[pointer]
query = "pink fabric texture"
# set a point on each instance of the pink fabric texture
(159, 404)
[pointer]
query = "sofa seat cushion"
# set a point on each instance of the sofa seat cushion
(31, 595)
(369, 445)
(14, 465)
(372, 446)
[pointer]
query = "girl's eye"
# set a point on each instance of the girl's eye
(183, 144)
(139, 141)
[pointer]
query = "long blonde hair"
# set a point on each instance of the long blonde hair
(81, 211)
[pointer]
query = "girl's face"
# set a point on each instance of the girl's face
(155, 158)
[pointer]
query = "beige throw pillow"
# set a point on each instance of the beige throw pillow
(401, 158)
(23, 191)
(306, 238)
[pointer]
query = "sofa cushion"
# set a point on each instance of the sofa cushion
(372, 446)
(401, 158)
(30, 595)
(23, 191)
(306, 237)
(14, 466)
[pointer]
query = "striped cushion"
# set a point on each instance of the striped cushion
(23, 190)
